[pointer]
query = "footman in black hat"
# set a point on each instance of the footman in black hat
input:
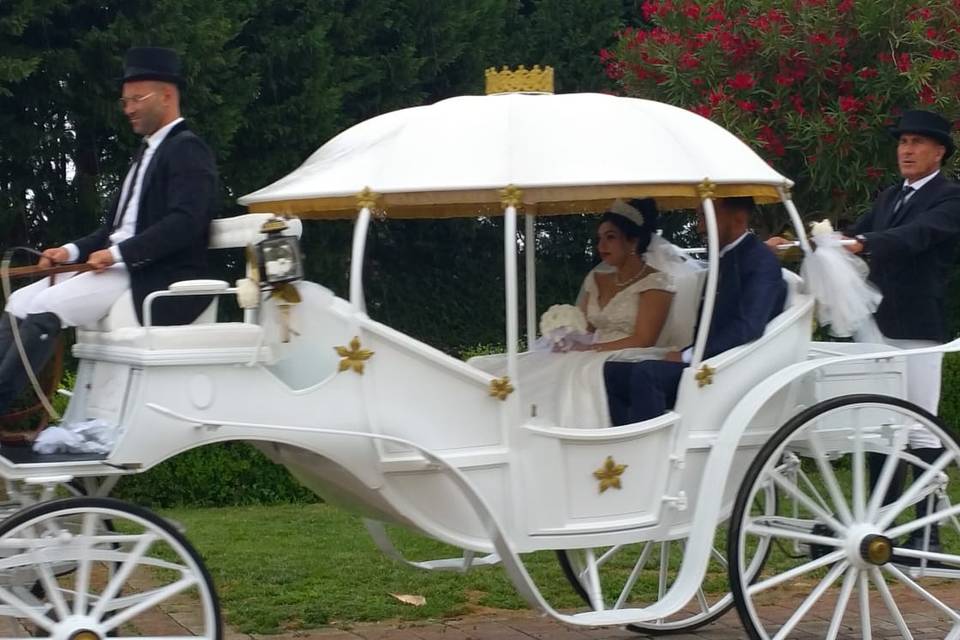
(155, 233)
(910, 238)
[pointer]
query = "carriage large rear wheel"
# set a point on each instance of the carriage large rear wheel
(847, 554)
(134, 577)
(637, 575)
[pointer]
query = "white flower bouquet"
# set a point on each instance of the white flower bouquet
(562, 326)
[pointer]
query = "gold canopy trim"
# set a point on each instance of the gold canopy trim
(544, 201)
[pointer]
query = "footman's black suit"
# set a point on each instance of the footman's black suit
(911, 253)
(177, 202)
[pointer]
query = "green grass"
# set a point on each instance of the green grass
(287, 567)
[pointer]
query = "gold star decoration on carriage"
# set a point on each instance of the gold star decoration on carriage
(704, 376)
(609, 474)
(500, 388)
(353, 356)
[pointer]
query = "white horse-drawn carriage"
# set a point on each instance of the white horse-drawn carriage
(761, 470)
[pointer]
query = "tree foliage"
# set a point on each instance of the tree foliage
(268, 82)
(811, 84)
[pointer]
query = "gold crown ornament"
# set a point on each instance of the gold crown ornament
(523, 80)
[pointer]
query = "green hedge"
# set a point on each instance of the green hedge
(218, 475)
(950, 392)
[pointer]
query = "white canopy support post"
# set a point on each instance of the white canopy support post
(366, 200)
(795, 219)
(530, 256)
(511, 200)
(713, 273)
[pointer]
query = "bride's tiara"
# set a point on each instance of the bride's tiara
(627, 210)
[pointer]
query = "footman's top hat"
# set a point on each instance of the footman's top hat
(152, 63)
(926, 123)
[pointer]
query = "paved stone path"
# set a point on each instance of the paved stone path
(181, 617)
(526, 625)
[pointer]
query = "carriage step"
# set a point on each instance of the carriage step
(24, 454)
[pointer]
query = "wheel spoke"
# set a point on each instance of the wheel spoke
(804, 608)
(886, 475)
(877, 578)
(715, 553)
(802, 536)
(866, 624)
(807, 567)
(593, 581)
(911, 494)
(920, 523)
(920, 591)
(83, 567)
(634, 574)
(126, 569)
(830, 478)
(801, 497)
(859, 483)
(664, 569)
(151, 600)
(21, 607)
(843, 599)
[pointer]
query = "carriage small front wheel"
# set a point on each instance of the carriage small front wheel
(637, 575)
(850, 551)
(88, 568)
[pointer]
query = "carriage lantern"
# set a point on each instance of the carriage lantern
(278, 254)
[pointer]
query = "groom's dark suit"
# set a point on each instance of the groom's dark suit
(750, 292)
(178, 199)
(911, 254)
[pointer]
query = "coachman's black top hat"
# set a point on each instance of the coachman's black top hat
(152, 63)
(926, 123)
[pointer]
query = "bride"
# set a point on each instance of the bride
(626, 299)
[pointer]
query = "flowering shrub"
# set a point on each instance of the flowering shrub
(810, 84)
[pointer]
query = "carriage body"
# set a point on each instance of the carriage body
(391, 428)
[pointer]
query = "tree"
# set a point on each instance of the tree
(811, 85)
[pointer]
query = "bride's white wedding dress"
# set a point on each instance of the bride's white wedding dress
(567, 389)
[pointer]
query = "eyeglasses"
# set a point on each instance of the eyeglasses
(123, 102)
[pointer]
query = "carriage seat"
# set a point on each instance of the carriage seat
(120, 328)
(225, 233)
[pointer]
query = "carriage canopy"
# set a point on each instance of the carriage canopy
(566, 153)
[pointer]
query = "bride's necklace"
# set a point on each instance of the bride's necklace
(634, 278)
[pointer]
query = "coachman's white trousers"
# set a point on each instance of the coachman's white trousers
(923, 386)
(78, 299)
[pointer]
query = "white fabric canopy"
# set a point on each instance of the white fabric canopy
(565, 152)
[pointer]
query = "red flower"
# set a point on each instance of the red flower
(903, 62)
(716, 97)
(783, 79)
(688, 61)
(849, 104)
(704, 110)
(943, 54)
(747, 105)
(874, 172)
(820, 40)
(715, 13)
(926, 95)
(844, 6)
(771, 141)
(797, 103)
(743, 81)
(868, 72)
(692, 10)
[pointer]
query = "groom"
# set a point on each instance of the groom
(750, 292)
